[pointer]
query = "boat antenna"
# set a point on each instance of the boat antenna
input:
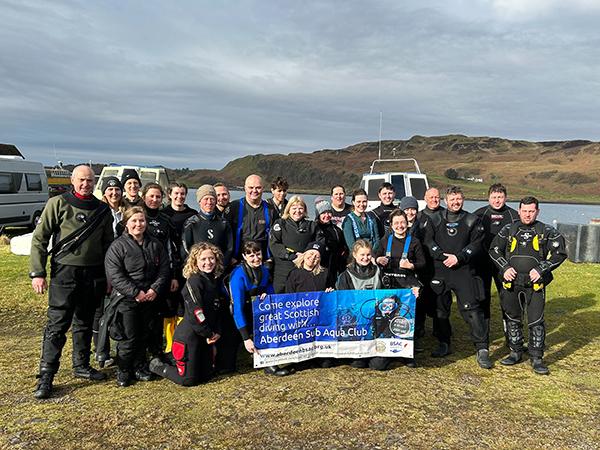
(380, 128)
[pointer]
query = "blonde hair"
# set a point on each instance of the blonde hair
(191, 264)
(299, 263)
(296, 199)
(131, 211)
(360, 243)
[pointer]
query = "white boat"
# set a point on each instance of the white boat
(405, 183)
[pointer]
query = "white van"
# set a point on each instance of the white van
(147, 175)
(23, 189)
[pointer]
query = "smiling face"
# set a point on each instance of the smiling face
(279, 195)
(338, 197)
(362, 256)
(83, 180)
(360, 204)
(432, 198)
(399, 225)
(312, 258)
(411, 214)
(113, 195)
(136, 225)
(222, 196)
(153, 198)
(454, 202)
(206, 261)
(497, 200)
(208, 203)
(253, 188)
(297, 211)
(325, 217)
(253, 259)
(386, 196)
(132, 188)
(528, 213)
(177, 197)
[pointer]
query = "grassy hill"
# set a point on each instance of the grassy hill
(557, 170)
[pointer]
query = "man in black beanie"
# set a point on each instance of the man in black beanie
(131, 186)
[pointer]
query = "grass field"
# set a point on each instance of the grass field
(441, 404)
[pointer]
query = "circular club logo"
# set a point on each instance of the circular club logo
(399, 326)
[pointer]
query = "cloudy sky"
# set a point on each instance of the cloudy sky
(198, 83)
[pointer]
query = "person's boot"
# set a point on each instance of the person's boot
(512, 359)
(89, 373)
(124, 378)
(537, 363)
(141, 374)
(156, 366)
(442, 350)
(44, 385)
(276, 371)
(483, 358)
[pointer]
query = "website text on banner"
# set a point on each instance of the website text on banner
(340, 324)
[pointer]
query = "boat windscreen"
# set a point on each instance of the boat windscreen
(418, 188)
(398, 183)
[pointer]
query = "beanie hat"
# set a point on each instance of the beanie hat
(129, 174)
(110, 182)
(315, 246)
(409, 202)
(204, 190)
(322, 205)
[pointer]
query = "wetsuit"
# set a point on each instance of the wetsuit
(355, 228)
(427, 298)
(77, 279)
(289, 237)
(336, 252)
(194, 357)
(363, 278)
(251, 224)
(131, 268)
(493, 220)
(279, 208)
(459, 234)
(394, 248)
(129, 203)
(204, 227)
(382, 212)
(302, 280)
(244, 284)
(525, 247)
(179, 217)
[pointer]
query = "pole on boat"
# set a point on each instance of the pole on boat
(380, 128)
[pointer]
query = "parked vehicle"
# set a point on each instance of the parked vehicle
(23, 189)
(154, 174)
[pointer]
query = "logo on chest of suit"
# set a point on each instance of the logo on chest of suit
(452, 228)
(154, 223)
(276, 227)
(210, 233)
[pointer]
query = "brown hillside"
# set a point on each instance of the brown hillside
(557, 170)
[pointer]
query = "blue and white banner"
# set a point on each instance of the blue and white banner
(291, 328)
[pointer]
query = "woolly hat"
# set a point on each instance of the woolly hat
(322, 205)
(129, 174)
(111, 182)
(409, 202)
(204, 190)
(315, 246)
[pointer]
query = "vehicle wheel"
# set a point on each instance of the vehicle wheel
(35, 219)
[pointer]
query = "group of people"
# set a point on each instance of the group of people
(173, 285)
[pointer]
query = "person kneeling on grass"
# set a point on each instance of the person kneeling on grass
(193, 348)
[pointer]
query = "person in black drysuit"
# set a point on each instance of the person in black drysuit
(178, 211)
(137, 267)
(400, 263)
(427, 298)
(289, 237)
(335, 253)
(251, 218)
(494, 217)
(193, 348)
(308, 275)
(454, 238)
(526, 252)
(387, 195)
(161, 227)
(208, 226)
